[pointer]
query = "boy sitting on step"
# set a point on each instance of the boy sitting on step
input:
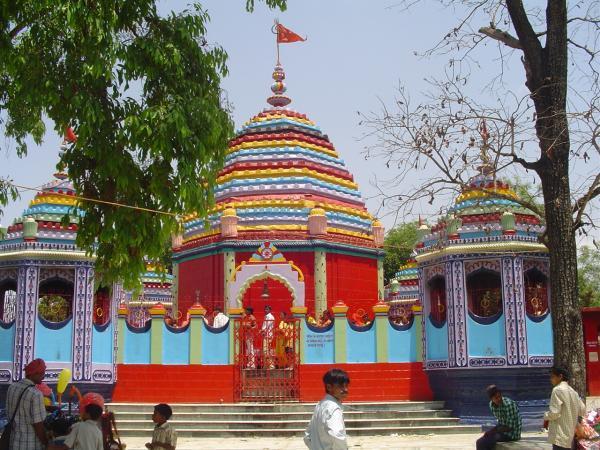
(164, 435)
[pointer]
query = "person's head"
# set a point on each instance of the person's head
(218, 310)
(249, 310)
(494, 394)
(36, 370)
(336, 383)
(267, 309)
(558, 374)
(92, 412)
(162, 413)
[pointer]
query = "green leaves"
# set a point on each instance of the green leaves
(144, 99)
(143, 95)
(398, 245)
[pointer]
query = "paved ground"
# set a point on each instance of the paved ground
(450, 441)
(531, 441)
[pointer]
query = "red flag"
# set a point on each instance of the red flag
(70, 135)
(285, 36)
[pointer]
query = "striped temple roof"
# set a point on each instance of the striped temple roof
(484, 217)
(50, 205)
(279, 167)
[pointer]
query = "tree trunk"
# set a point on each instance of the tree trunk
(547, 73)
(566, 316)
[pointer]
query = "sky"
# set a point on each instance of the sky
(356, 54)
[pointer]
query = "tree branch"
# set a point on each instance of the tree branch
(580, 204)
(532, 48)
(502, 36)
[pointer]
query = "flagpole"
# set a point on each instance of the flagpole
(277, 39)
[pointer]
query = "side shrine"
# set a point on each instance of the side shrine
(293, 258)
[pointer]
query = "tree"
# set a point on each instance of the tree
(142, 93)
(399, 244)
(588, 276)
(451, 133)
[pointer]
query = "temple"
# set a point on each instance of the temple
(283, 184)
(290, 231)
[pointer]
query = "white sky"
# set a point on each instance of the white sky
(356, 54)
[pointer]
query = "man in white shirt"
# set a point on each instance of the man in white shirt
(565, 409)
(267, 331)
(220, 319)
(326, 429)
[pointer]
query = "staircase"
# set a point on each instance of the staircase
(289, 419)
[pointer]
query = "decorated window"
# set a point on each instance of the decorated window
(536, 293)
(138, 315)
(484, 293)
(56, 300)
(102, 306)
(8, 301)
(401, 314)
(437, 301)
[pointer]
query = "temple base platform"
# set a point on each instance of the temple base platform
(464, 392)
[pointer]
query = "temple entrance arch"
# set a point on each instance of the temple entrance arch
(266, 263)
(269, 291)
(266, 358)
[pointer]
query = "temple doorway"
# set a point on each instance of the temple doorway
(268, 292)
(267, 352)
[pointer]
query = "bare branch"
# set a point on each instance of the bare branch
(501, 36)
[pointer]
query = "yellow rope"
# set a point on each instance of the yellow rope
(94, 200)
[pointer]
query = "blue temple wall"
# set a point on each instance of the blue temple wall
(437, 341)
(361, 345)
(7, 338)
(539, 337)
(402, 345)
(486, 340)
(215, 345)
(176, 345)
(318, 345)
(54, 341)
(136, 346)
(102, 344)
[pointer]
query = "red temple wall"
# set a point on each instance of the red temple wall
(352, 279)
(591, 331)
(214, 384)
(205, 275)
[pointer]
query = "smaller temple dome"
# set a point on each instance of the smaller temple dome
(485, 214)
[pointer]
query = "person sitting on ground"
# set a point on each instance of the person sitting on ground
(164, 435)
(85, 435)
(565, 409)
(326, 429)
(509, 419)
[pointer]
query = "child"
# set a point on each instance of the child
(326, 429)
(85, 435)
(164, 435)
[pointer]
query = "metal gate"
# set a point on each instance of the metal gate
(266, 361)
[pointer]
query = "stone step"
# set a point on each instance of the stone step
(274, 407)
(201, 417)
(351, 423)
(270, 432)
